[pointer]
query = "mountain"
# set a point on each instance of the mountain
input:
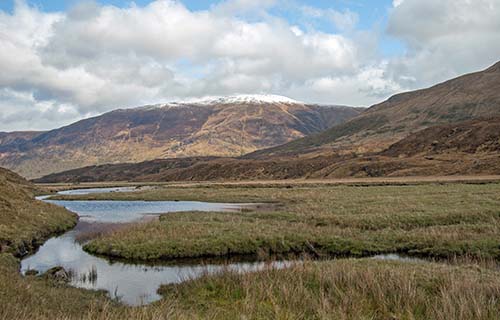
(472, 137)
(448, 129)
(475, 95)
(468, 147)
(224, 126)
(18, 137)
(465, 148)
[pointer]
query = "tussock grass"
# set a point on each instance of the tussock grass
(339, 289)
(346, 289)
(25, 222)
(431, 220)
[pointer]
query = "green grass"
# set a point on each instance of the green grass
(430, 220)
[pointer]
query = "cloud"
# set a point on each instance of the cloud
(59, 67)
(345, 20)
(95, 58)
(232, 7)
(20, 110)
(444, 38)
(396, 3)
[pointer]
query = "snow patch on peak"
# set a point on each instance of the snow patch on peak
(248, 98)
(234, 99)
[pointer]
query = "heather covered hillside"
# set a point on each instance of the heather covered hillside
(228, 126)
(471, 96)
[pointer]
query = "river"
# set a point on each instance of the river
(131, 283)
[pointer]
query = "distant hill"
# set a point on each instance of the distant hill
(451, 128)
(465, 148)
(475, 95)
(469, 147)
(473, 137)
(17, 137)
(226, 126)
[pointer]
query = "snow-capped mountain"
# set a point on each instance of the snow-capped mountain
(243, 99)
(210, 126)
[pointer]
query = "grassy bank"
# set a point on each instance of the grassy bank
(343, 289)
(430, 220)
(24, 222)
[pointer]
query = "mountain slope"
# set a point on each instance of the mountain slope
(474, 137)
(228, 126)
(467, 97)
(17, 137)
(469, 147)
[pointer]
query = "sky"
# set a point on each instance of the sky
(62, 61)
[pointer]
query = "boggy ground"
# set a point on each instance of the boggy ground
(339, 289)
(432, 220)
(335, 289)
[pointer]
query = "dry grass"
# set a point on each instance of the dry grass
(453, 216)
(432, 220)
(347, 289)
(25, 222)
(341, 289)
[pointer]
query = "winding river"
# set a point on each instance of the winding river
(133, 284)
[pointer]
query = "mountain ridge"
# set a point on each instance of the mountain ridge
(466, 97)
(450, 128)
(469, 147)
(190, 129)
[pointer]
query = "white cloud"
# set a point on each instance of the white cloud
(343, 20)
(444, 38)
(94, 58)
(396, 3)
(20, 110)
(369, 84)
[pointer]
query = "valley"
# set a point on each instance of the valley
(448, 129)
(365, 209)
(249, 160)
(448, 219)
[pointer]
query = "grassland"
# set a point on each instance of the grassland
(335, 289)
(433, 220)
(342, 289)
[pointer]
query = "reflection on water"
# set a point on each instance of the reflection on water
(134, 284)
(97, 190)
(127, 211)
(397, 257)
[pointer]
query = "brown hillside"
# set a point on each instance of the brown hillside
(475, 136)
(470, 147)
(169, 131)
(17, 137)
(475, 95)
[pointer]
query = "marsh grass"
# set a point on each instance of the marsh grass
(338, 289)
(432, 220)
(454, 220)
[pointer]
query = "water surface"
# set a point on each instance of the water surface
(133, 284)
